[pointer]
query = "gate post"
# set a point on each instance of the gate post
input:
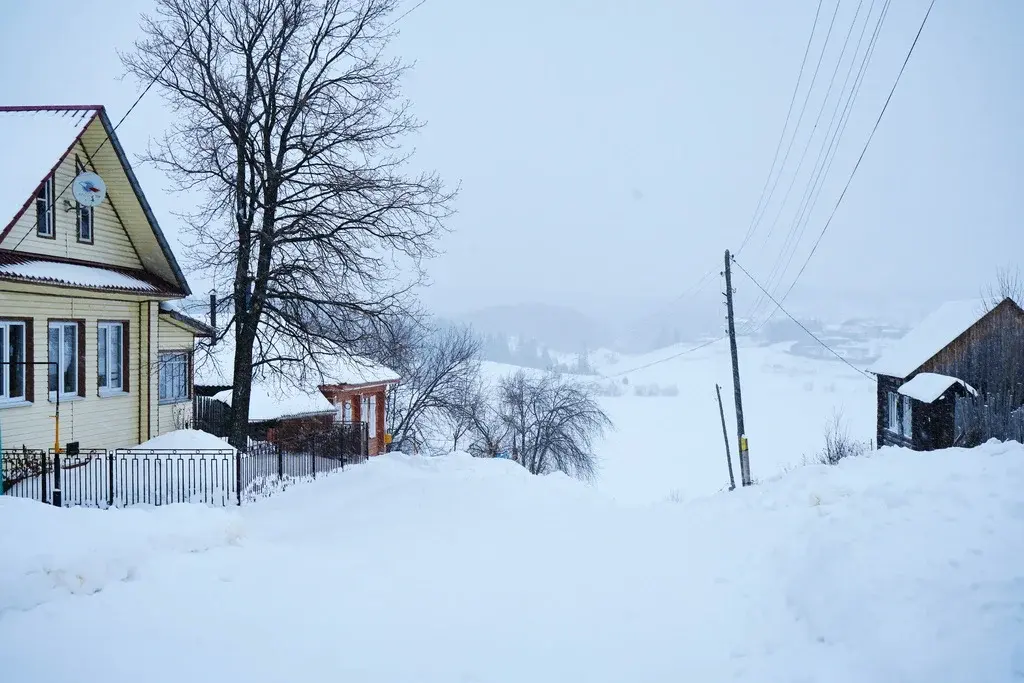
(312, 455)
(110, 479)
(238, 478)
(57, 502)
(280, 462)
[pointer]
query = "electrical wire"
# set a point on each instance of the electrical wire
(149, 86)
(823, 163)
(785, 126)
(860, 159)
(667, 358)
(802, 326)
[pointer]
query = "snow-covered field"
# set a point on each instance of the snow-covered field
(672, 446)
(900, 567)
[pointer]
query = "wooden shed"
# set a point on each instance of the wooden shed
(949, 354)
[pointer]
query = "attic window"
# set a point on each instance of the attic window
(85, 215)
(44, 209)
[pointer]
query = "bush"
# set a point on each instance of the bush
(839, 445)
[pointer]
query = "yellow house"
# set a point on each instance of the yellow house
(85, 291)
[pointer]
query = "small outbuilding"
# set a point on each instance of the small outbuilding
(948, 355)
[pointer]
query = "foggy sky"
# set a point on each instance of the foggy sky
(609, 154)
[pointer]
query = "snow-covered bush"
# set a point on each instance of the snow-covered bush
(839, 445)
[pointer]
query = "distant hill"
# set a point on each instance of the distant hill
(554, 327)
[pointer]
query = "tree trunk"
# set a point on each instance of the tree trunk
(241, 393)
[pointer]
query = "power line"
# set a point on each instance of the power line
(406, 13)
(871, 136)
(825, 158)
(149, 86)
(668, 358)
(785, 126)
(802, 326)
(800, 117)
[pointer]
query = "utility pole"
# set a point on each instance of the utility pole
(740, 431)
(725, 435)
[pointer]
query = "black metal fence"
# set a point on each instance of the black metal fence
(126, 477)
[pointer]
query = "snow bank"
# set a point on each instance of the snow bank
(50, 553)
(186, 439)
(900, 567)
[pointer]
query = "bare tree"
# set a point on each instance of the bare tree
(839, 445)
(287, 123)
(1008, 284)
(552, 423)
(439, 370)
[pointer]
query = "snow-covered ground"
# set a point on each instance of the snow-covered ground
(672, 446)
(899, 567)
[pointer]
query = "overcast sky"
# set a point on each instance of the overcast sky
(609, 152)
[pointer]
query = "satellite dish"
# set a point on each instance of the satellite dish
(89, 189)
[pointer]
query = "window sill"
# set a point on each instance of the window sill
(111, 393)
(70, 398)
(173, 401)
(14, 404)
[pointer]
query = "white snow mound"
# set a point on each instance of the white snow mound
(899, 567)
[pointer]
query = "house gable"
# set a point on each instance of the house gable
(125, 232)
(997, 337)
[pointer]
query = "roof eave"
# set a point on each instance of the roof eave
(146, 208)
(200, 328)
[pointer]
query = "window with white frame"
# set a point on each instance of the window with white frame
(13, 337)
(62, 344)
(85, 214)
(370, 413)
(45, 213)
(892, 422)
(907, 422)
(346, 411)
(173, 377)
(110, 357)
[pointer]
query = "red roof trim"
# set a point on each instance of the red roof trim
(50, 107)
(28, 202)
(340, 388)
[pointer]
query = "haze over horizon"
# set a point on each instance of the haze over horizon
(633, 146)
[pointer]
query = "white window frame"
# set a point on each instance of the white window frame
(44, 203)
(110, 357)
(369, 410)
(85, 214)
(7, 371)
(166, 358)
(906, 418)
(63, 326)
(892, 413)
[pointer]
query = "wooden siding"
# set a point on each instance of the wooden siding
(883, 435)
(111, 244)
(997, 340)
(172, 337)
(92, 420)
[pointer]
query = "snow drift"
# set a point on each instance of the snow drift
(897, 567)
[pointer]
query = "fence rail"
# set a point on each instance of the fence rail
(125, 477)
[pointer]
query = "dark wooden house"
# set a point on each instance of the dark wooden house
(959, 349)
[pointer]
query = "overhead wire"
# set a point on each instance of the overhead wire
(802, 326)
(860, 159)
(800, 117)
(826, 153)
(785, 126)
(149, 86)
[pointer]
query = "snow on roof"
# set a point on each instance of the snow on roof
(216, 368)
(173, 311)
(33, 142)
(274, 401)
(929, 337)
(21, 268)
(929, 386)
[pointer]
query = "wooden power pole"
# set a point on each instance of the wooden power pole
(725, 435)
(740, 431)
